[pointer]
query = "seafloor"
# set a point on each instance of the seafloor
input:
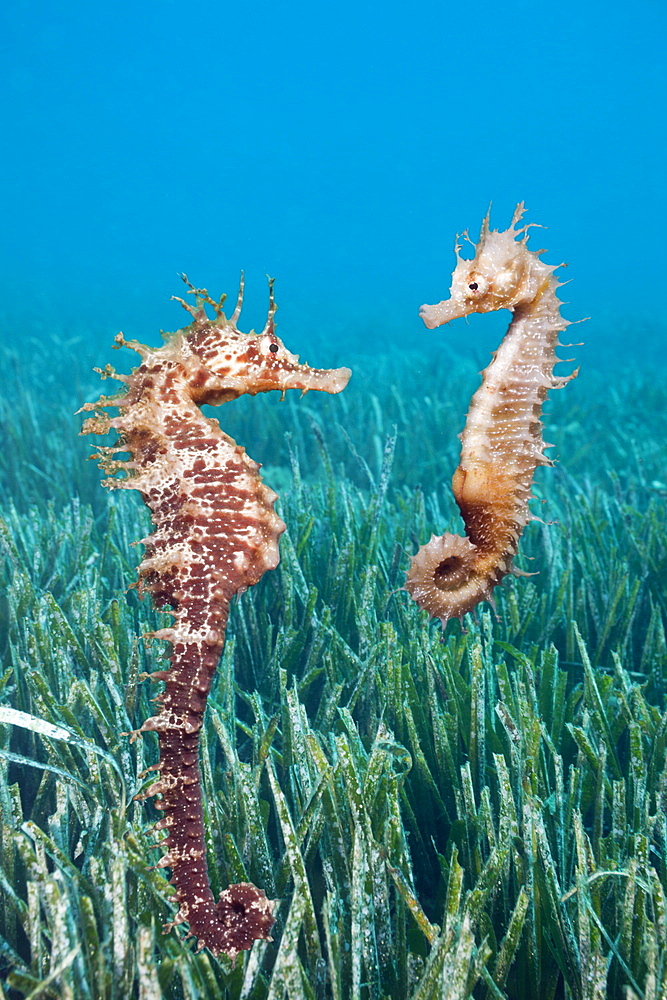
(479, 814)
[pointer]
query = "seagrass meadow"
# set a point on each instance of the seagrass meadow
(479, 814)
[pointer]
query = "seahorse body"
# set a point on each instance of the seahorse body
(502, 440)
(216, 534)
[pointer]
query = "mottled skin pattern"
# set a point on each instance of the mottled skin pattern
(216, 533)
(502, 443)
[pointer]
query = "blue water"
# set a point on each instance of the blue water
(338, 147)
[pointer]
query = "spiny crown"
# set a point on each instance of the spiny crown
(502, 274)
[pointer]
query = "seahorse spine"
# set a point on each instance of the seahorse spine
(501, 444)
(216, 533)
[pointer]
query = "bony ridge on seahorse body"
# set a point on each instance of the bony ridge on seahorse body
(501, 444)
(216, 533)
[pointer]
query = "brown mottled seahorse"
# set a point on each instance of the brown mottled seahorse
(216, 533)
(501, 444)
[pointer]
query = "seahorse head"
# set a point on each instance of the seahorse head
(230, 363)
(502, 274)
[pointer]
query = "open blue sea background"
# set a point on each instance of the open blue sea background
(475, 813)
(338, 148)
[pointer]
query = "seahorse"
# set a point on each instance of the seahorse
(216, 533)
(501, 444)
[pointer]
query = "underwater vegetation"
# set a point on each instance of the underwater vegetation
(478, 814)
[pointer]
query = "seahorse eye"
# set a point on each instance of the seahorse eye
(273, 348)
(475, 283)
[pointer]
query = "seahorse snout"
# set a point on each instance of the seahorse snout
(331, 380)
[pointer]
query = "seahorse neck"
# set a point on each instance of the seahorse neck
(515, 383)
(540, 316)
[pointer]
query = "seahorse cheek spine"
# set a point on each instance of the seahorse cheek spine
(501, 444)
(215, 535)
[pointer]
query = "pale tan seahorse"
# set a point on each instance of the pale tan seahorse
(502, 443)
